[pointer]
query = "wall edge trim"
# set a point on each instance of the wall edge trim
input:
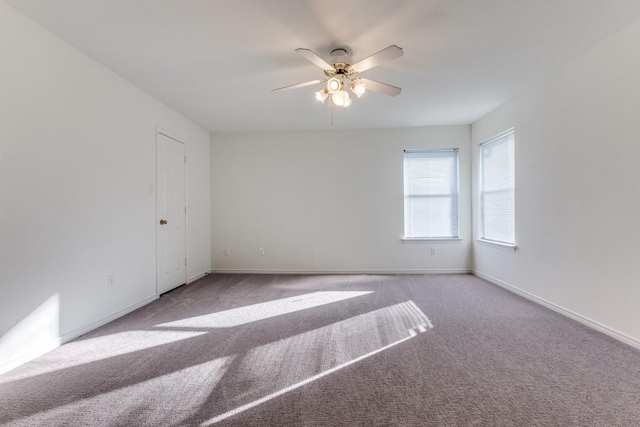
(197, 277)
(21, 360)
(369, 271)
(613, 333)
(70, 336)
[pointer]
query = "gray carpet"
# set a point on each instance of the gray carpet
(278, 350)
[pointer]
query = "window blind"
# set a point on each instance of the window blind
(497, 189)
(431, 193)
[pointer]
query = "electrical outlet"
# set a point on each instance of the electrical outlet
(261, 251)
(433, 251)
(111, 281)
(226, 252)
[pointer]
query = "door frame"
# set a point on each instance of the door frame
(183, 141)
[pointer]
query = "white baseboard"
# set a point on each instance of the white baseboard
(378, 271)
(12, 364)
(70, 336)
(196, 277)
(566, 312)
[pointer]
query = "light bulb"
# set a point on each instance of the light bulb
(333, 85)
(321, 95)
(358, 89)
(341, 99)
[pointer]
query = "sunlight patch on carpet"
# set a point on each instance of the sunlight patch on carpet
(253, 313)
(148, 402)
(317, 353)
(89, 350)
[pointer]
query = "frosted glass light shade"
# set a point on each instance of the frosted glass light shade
(333, 85)
(341, 99)
(358, 89)
(321, 95)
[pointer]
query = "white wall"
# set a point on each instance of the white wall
(326, 201)
(77, 155)
(577, 187)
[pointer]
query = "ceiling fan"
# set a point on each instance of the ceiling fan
(342, 75)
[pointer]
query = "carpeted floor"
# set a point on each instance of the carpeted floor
(361, 350)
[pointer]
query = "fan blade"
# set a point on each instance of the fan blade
(386, 54)
(375, 86)
(299, 85)
(313, 57)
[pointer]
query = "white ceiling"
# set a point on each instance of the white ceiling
(216, 61)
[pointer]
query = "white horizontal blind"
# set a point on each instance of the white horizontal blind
(431, 193)
(497, 189)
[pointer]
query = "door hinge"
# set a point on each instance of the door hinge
(185, 210)
(185, 158)
(185, 261)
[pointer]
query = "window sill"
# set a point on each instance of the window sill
(431, 239)
(503, 246)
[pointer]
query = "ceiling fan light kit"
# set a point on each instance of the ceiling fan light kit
(357, 88)
(322, 95)
(341, 75)
(341, 99)
(334, 85)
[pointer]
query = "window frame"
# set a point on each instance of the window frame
(455, 196)
(510, 246)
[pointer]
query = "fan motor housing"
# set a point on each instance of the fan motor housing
(342, 62)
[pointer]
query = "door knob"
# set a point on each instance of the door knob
(163, 221)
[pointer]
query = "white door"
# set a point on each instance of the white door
(171, 215)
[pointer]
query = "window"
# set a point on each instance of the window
(497, 189)
(431, 194)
